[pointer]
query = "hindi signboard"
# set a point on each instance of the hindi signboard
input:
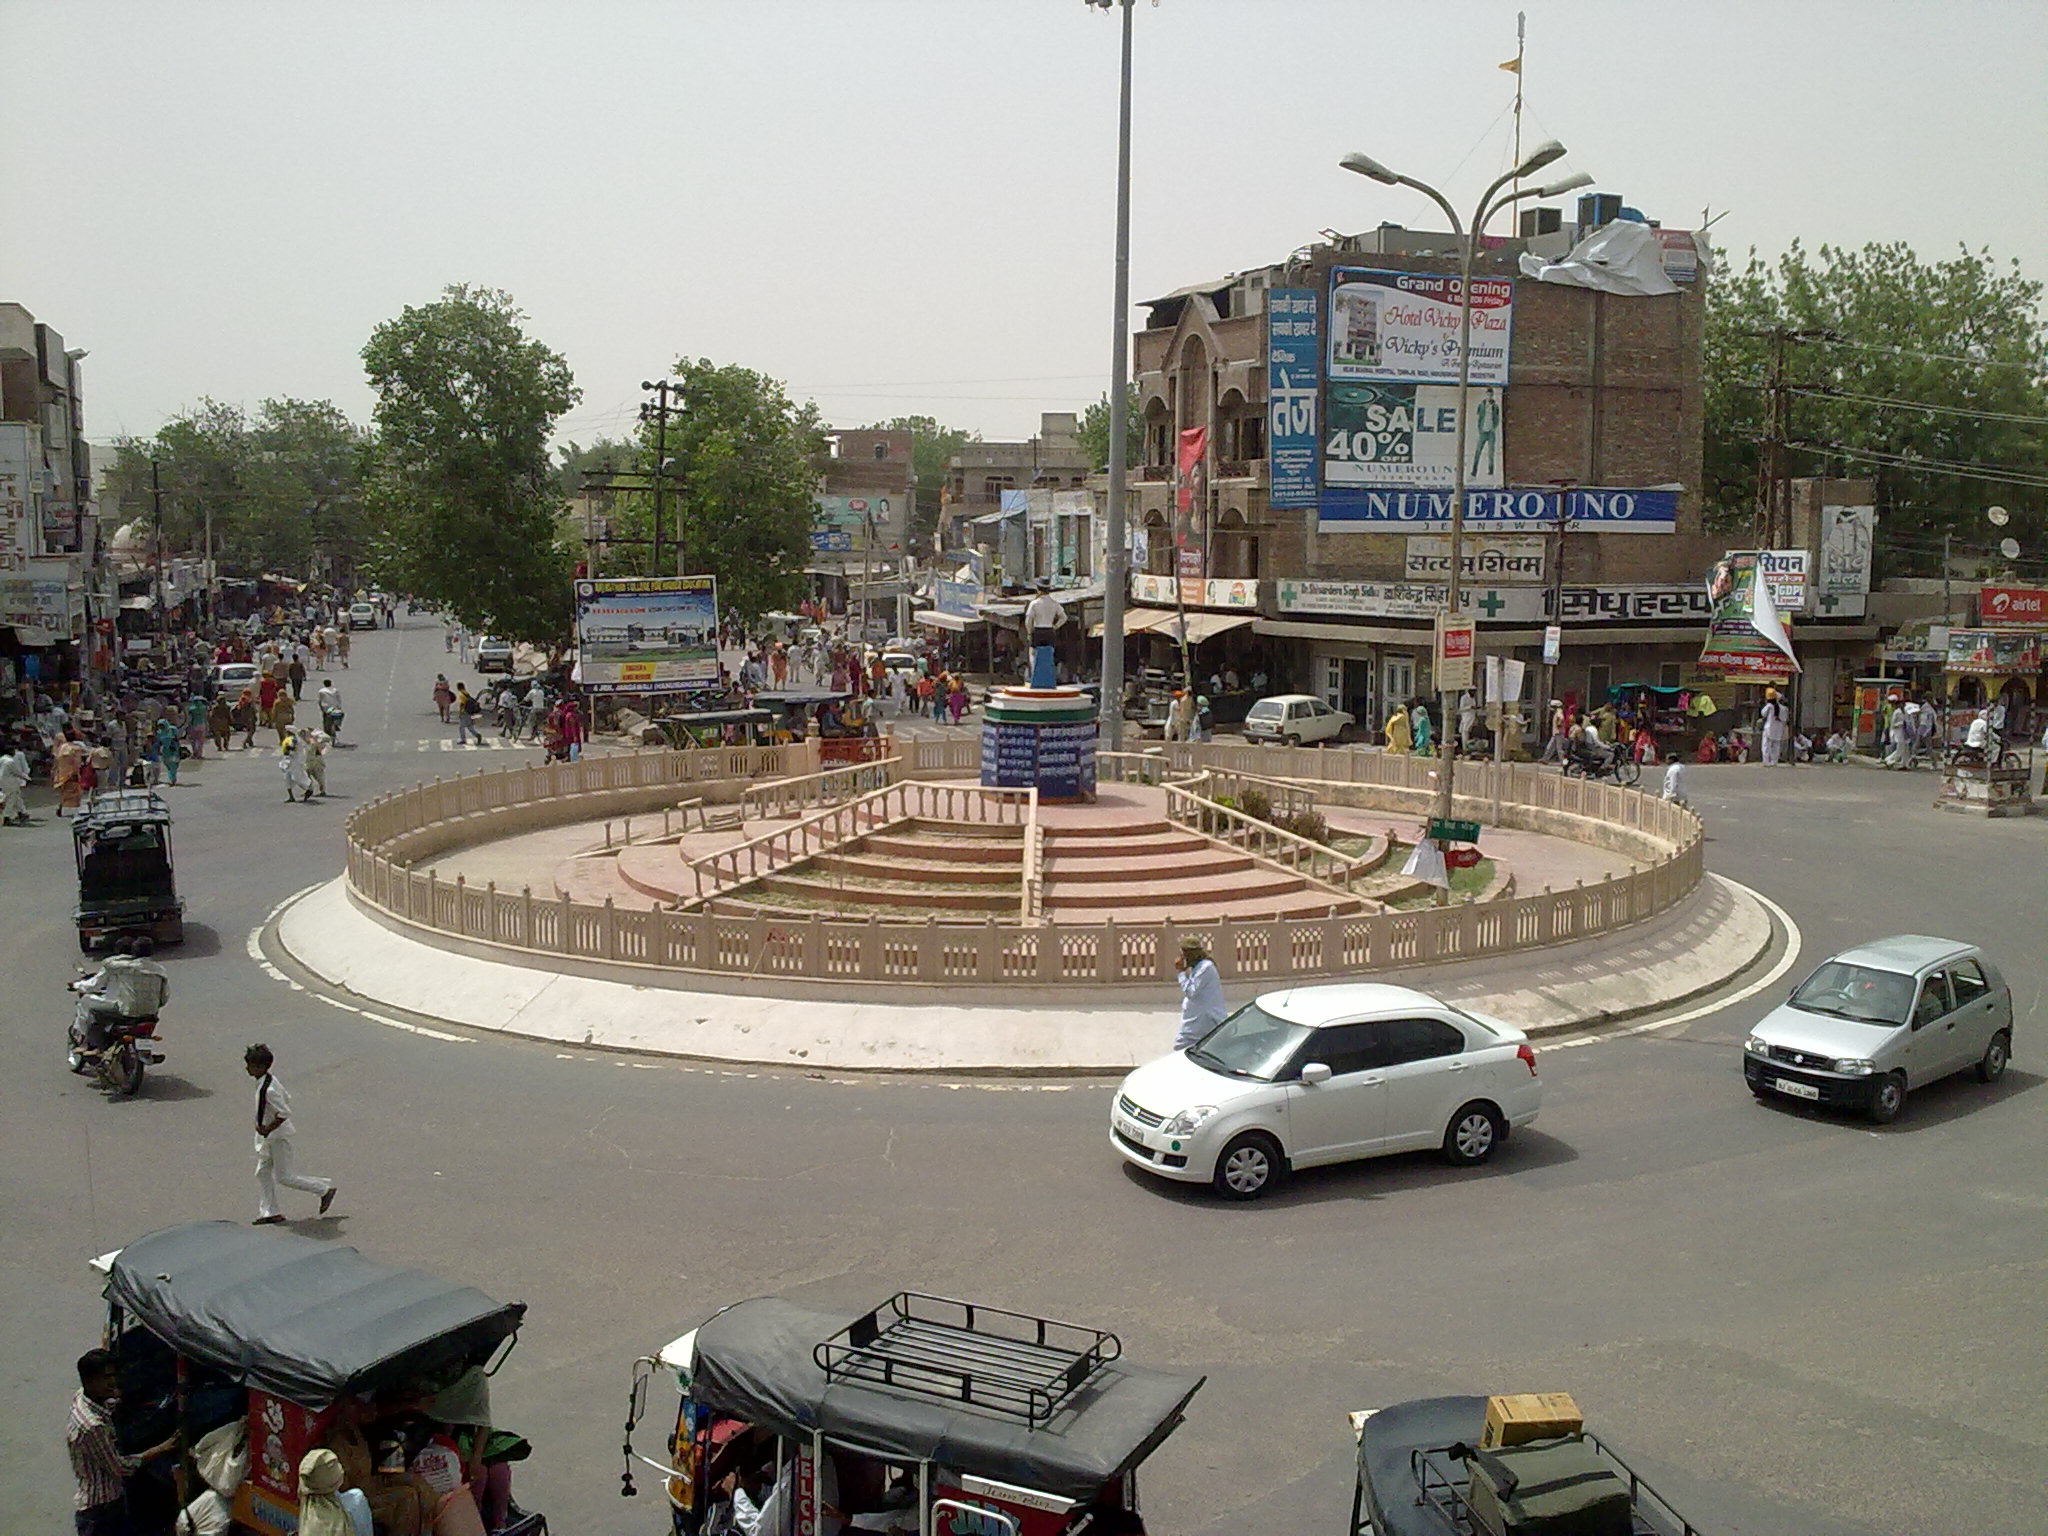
(1505, 559)
(1455, 649)
(654, 635)
(1293, 383)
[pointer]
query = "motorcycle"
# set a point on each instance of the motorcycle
(1608, 763)
(111, 1045)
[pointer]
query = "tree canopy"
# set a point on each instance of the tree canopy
(1929, 378)
(740, 489)
(464, 494)
(1094, 430)
(284, 488)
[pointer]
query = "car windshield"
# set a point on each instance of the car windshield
(1251, 1043)
(1856, 992)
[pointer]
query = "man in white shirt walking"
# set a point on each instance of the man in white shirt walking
(1201, 993)
(274, 1131)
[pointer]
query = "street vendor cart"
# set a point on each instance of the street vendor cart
(215, 1324)
(925, 1415)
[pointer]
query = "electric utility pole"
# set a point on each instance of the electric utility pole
(668, 397)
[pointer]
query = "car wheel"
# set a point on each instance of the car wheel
(1293, 740)
(1248, 1167)
(1888, 1099)
(1996, 1054)
(1475, 1130)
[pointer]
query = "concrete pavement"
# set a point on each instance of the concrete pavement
(1699, 946)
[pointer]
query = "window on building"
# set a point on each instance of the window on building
(993, 486)
(881, 450)
(1669, 673)
(1598, 680)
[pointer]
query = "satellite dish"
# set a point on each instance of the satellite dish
(2010, 548)
(1998, 515)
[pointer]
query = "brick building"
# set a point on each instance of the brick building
(1584, 500)
(861, 531)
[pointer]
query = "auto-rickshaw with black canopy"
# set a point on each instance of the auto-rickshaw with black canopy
(214, 1324)
(127, 882)
(925, 1415)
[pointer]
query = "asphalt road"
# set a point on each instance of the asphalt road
(1794, 1323)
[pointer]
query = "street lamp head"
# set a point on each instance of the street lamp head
(1539, 157)
(645, 384)
(1365, 165)
(1571, 183)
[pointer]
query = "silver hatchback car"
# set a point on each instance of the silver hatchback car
(1880, 1020)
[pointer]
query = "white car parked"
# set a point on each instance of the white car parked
(1325, 1075)
(1295, 719)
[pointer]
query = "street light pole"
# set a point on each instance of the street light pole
(1115, 576)
(1490, 203)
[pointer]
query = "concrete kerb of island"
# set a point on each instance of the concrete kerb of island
(809, 954)
(1699, 947)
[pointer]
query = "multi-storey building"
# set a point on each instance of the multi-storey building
(1299, 430)
(46, 527)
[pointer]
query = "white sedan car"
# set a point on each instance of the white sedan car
(1294, 719)
(1325, 1075)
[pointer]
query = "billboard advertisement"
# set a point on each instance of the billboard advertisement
(1293, 380)
(1522, 509)
(1404, 326)
(657, 635)
(1745, 638)
(2012, 605)
(1392, 434)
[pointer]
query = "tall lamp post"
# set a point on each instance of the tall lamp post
(1116, 550)
(1490, 203)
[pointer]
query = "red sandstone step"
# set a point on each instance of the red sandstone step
(861, 897)
(867, 865)
(952, 850)
(1059, 845)
(1136, 827)
(1202, 863)
(1202, 911)
(1157, 893)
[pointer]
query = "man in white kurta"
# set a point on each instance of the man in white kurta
(274, 1132)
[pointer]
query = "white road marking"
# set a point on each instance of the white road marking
(254, 946)
(1769, 979)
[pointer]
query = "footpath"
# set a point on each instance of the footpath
(1704, 943)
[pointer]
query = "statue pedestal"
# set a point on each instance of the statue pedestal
(1040, 738)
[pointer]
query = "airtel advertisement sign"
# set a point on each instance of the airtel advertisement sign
(2013, 605)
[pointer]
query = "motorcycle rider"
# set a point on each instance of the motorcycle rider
(130, 986)
(1584, 747)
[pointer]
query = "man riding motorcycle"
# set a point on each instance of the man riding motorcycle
(129, 988)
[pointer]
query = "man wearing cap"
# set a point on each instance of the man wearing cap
(1201, 993)
(1043, 617)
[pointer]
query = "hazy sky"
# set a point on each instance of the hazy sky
(902, 206)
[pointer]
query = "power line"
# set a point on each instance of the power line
(1829, 338)
(1990, 473)
(1825, 392)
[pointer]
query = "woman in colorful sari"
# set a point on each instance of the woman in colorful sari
(67, 770)
(170, 750)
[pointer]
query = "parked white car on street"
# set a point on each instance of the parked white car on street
(1325, 1075)
(1294, 719)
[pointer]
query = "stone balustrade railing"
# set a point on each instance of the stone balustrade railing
(388, 838)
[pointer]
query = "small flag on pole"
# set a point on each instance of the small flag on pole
(1513, 66)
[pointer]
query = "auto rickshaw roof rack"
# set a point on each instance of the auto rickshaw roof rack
(109, 806)
(1006, 1362)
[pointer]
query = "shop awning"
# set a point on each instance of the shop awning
(1205, 626)
(1137, 621)
(931, 618)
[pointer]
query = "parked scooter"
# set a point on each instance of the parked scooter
(110, 1038)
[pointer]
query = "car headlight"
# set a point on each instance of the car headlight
(1855, 1066)
(1756, 1045)
(1184, 1123)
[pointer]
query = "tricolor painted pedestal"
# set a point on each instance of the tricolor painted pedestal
(1040, 738)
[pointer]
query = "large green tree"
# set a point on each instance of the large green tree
(1094, 430)
(932, 446)
(1929, 378)
(739, 488)
(464, 496)
(282, 490)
